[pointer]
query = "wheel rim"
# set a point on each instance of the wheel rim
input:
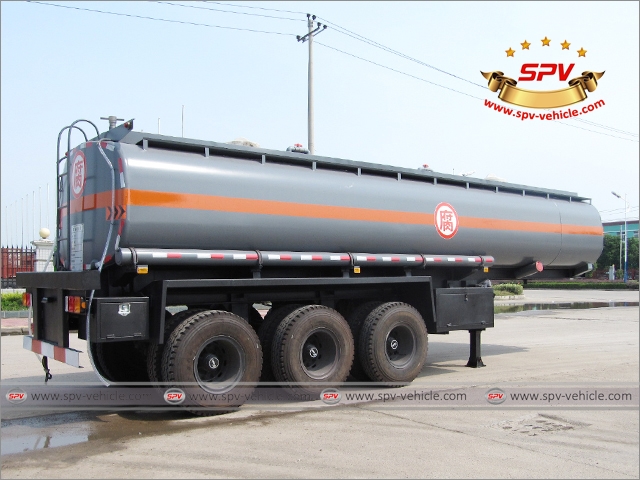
(400, 346)
(320, 354)
(219, 364)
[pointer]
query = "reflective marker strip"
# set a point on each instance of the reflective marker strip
(122, 185)
(166, 255)
(215, 256)
(278, 257)
(429, 259)
(361, 258)
(243, 256)
(64, 355)
(451, 259)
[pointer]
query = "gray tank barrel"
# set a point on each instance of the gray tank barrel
(185, 195)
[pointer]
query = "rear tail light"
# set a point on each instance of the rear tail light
(75, 304)
(26, 299)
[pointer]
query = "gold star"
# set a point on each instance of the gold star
(545, 42)
(565, 45)
(525, 45)
(510, 52)
(582, 52)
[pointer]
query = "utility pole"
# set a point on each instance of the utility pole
(626, 208)
(309, 36)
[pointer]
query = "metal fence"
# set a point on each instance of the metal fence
(14, 260)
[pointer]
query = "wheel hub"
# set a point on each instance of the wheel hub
(213, 362)
(319, 354)
(393, 344)
(312, 351)
(219, 364)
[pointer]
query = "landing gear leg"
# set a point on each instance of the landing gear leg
(475, 349)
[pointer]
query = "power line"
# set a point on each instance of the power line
(397, 71)
(161, 19)
(599, 133)
(258, 8)
(618, 210)
(375, 44)
(605, 127)
(229, 11)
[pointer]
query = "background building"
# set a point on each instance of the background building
(617, 228)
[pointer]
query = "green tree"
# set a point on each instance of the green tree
(610, 253)
(613, 254)
(632, 253)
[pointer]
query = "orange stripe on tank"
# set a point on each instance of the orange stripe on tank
(146, 198)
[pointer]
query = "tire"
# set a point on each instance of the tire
(255, 319)
(213, 352)
(393, 344)
(356, 320)
(312, 349)
(122, 361)
(155, 351)
(266, 332)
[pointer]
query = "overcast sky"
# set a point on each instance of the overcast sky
(62, 64)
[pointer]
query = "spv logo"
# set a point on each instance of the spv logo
(16, 396)
(330, 396)
(174, 396)
(552, 65)
(495, 396)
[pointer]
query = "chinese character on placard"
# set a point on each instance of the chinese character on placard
(446, 221)
(78, 178)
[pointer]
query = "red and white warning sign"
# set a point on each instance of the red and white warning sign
(446, 220)
(78, 174)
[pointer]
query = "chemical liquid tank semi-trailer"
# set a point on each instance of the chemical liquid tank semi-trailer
(359, 261)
